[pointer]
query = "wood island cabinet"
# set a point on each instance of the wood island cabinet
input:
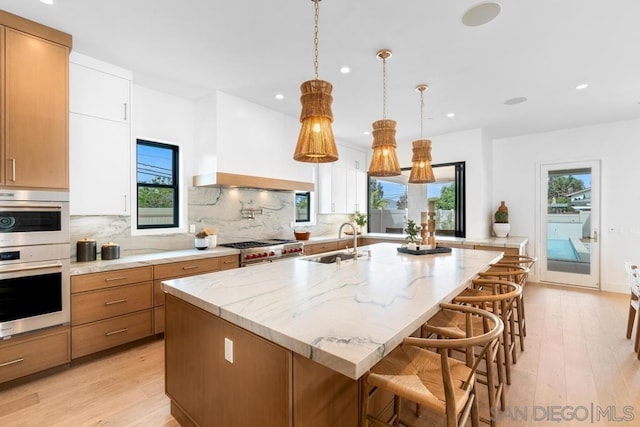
(35, 110)
(109, 309)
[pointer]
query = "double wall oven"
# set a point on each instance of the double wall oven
(34, 260)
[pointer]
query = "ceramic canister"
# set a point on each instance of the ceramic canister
(86, 250)
(110, 251)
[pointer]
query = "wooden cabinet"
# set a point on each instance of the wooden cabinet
(99, 128)
(281, 388)
(317, 248)
(34, 352)
(109, 309)
(507, 251)
(251, 389)
(175, 270)
(35, 105)
(343, 185)
(334, 245)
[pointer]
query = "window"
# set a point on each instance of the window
(303, 207)
(393, 201)
(157, 178)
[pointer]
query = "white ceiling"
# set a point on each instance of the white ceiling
(538, 49)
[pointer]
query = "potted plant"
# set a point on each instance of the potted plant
(501, 225)
(205, 238)
(412, 232)
(360, 219)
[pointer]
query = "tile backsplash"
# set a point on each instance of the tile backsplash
(208, 208)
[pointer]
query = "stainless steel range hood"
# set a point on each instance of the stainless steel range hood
(222, 179)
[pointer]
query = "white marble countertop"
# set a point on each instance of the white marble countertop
(504, 242)
(131, 261)
(347, 316)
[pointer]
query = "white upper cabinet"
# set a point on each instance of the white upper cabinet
(343, 184)
(99, 93)
(99, 138)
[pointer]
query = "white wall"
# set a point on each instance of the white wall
(616, 145)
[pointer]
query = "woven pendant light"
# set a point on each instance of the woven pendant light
(421, 170)
(384, 160)
(316, 143)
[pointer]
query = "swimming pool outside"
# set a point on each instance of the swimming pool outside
(565, 250)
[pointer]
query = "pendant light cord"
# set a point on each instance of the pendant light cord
(384, 88)
(421, 113)
(315, 37)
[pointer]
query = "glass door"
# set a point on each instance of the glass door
(570, 223)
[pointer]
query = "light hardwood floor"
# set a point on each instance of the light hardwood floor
(576, 355)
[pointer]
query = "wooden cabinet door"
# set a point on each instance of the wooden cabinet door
(36, 112)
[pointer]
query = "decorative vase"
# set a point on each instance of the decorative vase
(412, 246)
(501, 229)
(202, 243)
(503, 207)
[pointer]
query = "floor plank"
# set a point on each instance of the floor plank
(576, 354)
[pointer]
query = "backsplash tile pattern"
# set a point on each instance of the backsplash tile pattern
(208, 208)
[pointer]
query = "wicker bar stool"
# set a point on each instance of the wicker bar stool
(633, 277)
(438, 383)
(519, 275)
(525, 261)
(498, 297)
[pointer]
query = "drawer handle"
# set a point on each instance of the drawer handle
(13, 362)
(111, 279)
(119, 331)
(189, 267)
(228, 262)
(116, 301)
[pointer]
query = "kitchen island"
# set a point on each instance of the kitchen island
(285, 343)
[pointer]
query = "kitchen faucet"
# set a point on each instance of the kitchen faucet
(355, 237)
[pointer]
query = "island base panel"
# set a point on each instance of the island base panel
(209, 390)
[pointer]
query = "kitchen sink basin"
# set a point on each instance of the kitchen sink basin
(331, 258)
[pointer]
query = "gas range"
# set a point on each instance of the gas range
(254, 252)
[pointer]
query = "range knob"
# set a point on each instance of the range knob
(272, 253)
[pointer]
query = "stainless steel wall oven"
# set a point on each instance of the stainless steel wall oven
(34, 260)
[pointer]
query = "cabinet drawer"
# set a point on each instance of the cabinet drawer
(33, 353)
(186, 268)
(320, 247)
(93, 281)
(229, 262)
(97, 305)
(104, 334)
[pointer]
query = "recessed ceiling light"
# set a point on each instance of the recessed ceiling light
(450, 115)
(345, 70)
(366, 132)
(481, 14)
(516, 100)
(582, 86)
(46, 1)
(279, 96)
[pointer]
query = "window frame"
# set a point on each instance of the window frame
(175, 186)
(460, 212)
(307, 195)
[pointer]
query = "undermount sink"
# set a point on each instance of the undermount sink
(331, 258)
